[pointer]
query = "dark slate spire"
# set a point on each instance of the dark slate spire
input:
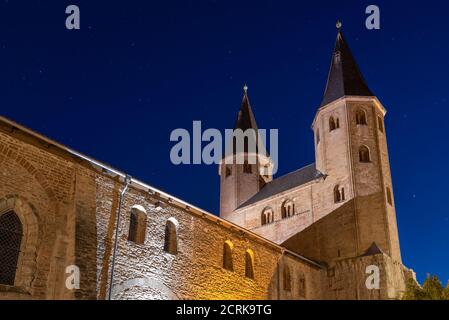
(345, 78)
(246, 120)
(245, 117)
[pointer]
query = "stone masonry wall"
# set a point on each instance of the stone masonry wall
(196, 271)
(68, 209)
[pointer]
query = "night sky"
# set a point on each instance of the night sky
(136, 70)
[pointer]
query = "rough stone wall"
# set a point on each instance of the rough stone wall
(311, 289)
(376, 218)
(333, 241)
(38, 187)
(346, 279)
(146, 271)
(68, 210)
(330, 239)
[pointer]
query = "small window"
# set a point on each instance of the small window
(360, 117)
(249, 264)
(288, 209)
(380, 124)
(267, 216)
(137, 225)
(227, 255)
(287, 278)
(247, 167)
(302, 286)
(11, 233)
(364, 154)
(228, 171)
(389, 197)
(317, 136)
(339, 194)
(171, 236)
(333, 124)
(263, 217)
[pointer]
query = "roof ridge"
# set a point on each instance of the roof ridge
(289, 181)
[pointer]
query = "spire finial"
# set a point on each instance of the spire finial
(339, 24)
(245, 89)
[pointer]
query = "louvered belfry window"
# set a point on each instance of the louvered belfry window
(10, 240)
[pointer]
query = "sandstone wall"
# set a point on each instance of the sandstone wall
(347, 279)
(68, 208)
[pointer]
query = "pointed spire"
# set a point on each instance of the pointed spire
(245, 118)
(345, 78)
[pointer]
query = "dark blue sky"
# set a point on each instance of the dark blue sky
(139, 69)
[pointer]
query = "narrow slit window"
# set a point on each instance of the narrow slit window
(227, 255)
(171, 236)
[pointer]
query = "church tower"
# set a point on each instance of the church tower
(240, 180)
(351, 149)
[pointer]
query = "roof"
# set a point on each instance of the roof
(245, 118)
(284, 183)
(344, 78)
(372, 250)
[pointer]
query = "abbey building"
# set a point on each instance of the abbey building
(310, 234)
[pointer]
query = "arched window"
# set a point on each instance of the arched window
(332, 124)
(339, 194)
(287, 278)
(228, 171)
(380, 124)
(364, 154)
(360, 117)
(317, 136)
(267, 216)
(10, 239)
(171, 236)
(247, 167)
(249, 264)
(137, 225)
(389, 197)
(263, 218)
(227, 255)
(288, 209)
(302, 286)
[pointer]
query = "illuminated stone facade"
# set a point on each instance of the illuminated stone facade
(314, 242)
(68, 206)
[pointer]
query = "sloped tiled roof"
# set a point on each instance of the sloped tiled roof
(284, 183)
